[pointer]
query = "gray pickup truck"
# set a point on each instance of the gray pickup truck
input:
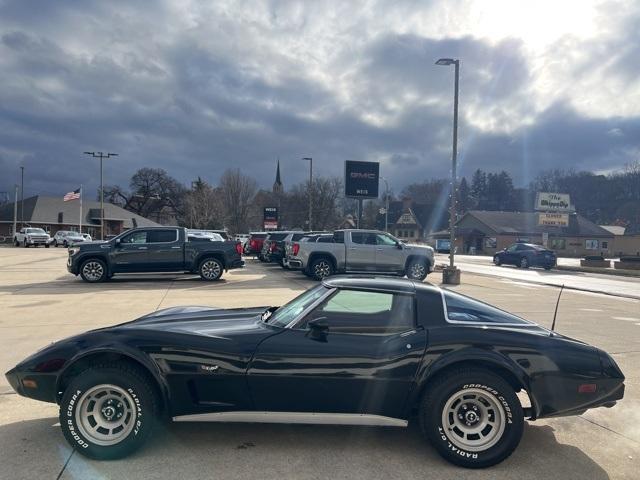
(361, 251)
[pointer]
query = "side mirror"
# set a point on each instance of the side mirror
(117, 242)
(318, 329)
(399, 245)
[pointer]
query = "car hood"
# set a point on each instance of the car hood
(198, 320)
(415, 246)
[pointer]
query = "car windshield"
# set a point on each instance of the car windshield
(35, 230)
(284, 315)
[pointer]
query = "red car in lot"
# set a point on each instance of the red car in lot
(253, 246)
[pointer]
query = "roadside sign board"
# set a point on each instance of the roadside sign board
(553, 219)
(361, 179)
(270, 218)
(553, 202)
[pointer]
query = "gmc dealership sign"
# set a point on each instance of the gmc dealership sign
(361, 179)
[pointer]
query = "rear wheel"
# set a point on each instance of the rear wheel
(547, 267)
(524, 263)
(108, 411)
(93, 270)
(472, 417)
(210, 269)
(321, 268)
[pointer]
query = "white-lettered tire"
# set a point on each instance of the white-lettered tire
(93, 270)
(472, 417)
(108, 410)
(417, 269)
(210, 269)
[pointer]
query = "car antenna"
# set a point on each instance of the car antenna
(555, 314)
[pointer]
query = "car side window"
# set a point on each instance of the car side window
(366, 312)
(460, 308)
(382, 239)
(512, 248)
(162, 236)
(338, 237)
(135, 237)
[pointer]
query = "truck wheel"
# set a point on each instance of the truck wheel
(210, 269)
(321, 268)
(108, 411)
(93, 270)
(25, 244)
(472, 417)
(16, 242)
(496, 261)
(46, 245)
(417, 269)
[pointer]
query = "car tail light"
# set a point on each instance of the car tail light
(239, 248)
(296, 248)
(272, 247)
(253, 244)
(587, 388)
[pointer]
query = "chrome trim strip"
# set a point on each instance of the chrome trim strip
(311, 418)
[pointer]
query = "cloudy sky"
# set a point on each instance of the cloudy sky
(196, 87)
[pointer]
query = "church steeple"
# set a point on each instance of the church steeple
(277, 185)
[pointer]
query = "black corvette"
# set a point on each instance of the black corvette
(357, 351)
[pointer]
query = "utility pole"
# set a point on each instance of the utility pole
(386, 207)
(101, 155)
(22, 196)
(452, 274)
(15, 211)
(310, 188)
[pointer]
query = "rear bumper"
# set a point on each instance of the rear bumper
(235, 263)
(295, 263)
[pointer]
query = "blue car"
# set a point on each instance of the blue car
(525, 255)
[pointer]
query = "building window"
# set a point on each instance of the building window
(591, 244)
(605, 245)
(60, 217)
(557, 243)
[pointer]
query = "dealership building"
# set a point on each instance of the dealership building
(53, 214)
(486, 232)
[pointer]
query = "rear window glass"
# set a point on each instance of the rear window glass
(325, 239)
(297, 236)
(258, 235)
(277, 236)
(162, 236)
(460, 308)
(338, 237)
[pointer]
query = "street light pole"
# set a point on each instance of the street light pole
(386, 207)
(22, 196)
(101, 155)
(310, 188)
(453, 275)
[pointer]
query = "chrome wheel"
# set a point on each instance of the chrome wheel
(473, 420)
(106, 415)
(417, 271)
(524, 263)
(322, 269)
(93, 271)
(211, 269)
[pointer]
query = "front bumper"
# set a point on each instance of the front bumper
(45, 384)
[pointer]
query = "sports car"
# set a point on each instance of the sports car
(351, 350)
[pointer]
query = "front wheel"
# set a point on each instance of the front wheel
(417, 270)
(210, 269)
(25, 244)
(16, 242)
(472, 417)
(524, 263)
(108, 411)
(321, 268)
(496, 261)
(46, 245)
(93, 270)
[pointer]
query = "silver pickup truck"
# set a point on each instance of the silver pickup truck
(361, 251)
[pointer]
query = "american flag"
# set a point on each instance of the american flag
(75, 195)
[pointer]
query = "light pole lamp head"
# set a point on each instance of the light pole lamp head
(446, 61)
(307, 158)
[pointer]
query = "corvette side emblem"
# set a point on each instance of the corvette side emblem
(209, 368)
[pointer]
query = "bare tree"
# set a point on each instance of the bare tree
(238, 191)
(203, 207)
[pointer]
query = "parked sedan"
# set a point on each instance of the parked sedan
(66, 238)
(349, 351)
(525, 255)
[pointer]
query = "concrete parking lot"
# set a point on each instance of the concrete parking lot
(40, 303)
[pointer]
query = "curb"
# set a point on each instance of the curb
(603, 271)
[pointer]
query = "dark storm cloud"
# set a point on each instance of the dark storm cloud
(223, 92)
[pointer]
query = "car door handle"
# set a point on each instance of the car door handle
(142, 248)
(176, 248)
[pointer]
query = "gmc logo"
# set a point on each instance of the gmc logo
(367, 176)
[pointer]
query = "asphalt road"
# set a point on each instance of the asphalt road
(604, 283)
(40, 302)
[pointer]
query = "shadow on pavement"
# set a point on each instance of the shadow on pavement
(35, 449)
